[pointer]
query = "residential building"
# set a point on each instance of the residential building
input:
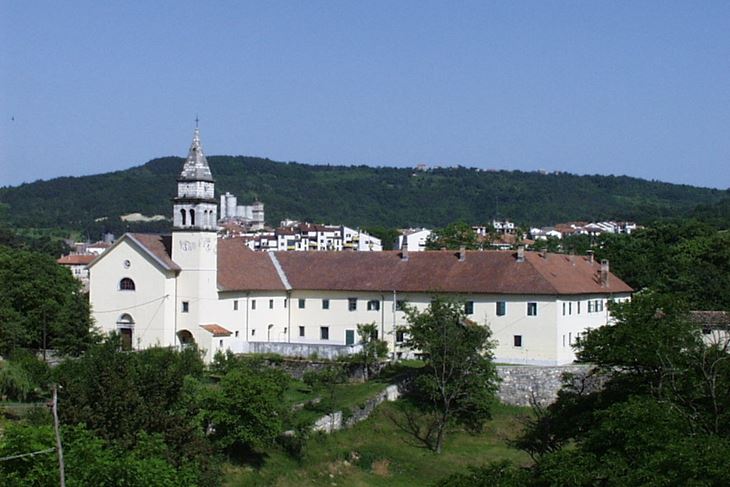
(414, 238)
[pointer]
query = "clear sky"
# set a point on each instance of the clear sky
(614, 87)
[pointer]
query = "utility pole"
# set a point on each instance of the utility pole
(59, 447)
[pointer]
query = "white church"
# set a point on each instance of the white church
(193, 287)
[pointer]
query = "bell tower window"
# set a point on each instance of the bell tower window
(183, 215)
(192, 218)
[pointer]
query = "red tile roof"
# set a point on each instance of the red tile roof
(481, 272)
(76, 259)
(160, 246)
(488, 272)
(217, 330)
(240, 268)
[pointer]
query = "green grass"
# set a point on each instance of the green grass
(376, 452)
(346, 397)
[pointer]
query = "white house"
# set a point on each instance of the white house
(415, 239)
(191, 286)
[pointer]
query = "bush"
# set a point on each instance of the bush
(15, 382)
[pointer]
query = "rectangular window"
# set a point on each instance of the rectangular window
(563, 340)
(563, 309)
(501, 308)
(590, 306)
(399, 336)
(531, 309)
(570, 308)
(600, 305)
(185, 306)
(373, 305)
(271, 304)
(324, 332)
(286, 301)
(253, 332)
(349, 337)
(517, 340)
(253, 304)
(325, 304)
(469, 307)
(578, 304)
(570, 338)
(301, 303)
(235, 305)
(400, 305)
(301, 331)
(352, 304)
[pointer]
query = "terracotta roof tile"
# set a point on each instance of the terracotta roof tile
(490, 272)
(77, 259)
(158, 245)
(217, 330)
(240, 268)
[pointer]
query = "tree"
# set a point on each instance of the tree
(37, 297)
(373, 350)
(458, 383)
(453, 237)
(119, 395)
(245, 410)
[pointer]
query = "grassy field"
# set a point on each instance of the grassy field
(376, 453)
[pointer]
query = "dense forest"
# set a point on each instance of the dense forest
(355, 195)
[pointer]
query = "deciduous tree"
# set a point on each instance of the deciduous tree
(458, 383)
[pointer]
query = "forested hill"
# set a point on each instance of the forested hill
(354, 195)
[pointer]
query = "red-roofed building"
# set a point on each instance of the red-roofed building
(193, 287)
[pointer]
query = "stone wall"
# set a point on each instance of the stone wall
(520, 384)
(300, 349)
(336, 421)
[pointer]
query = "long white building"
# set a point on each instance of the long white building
(191, 286)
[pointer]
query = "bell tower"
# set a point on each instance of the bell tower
(195, 241)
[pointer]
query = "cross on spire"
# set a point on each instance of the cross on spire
(196, 120)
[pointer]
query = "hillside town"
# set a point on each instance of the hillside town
(365, 244)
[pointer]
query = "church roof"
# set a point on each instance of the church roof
(480, 272)
(196, 166)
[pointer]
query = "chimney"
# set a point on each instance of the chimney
(589, 253)
(462, 253)
(521, 253)
(604, 272)
(404, 249)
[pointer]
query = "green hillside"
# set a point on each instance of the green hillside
(353, 195)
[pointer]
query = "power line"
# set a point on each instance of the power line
(31, 454)
(135, 306)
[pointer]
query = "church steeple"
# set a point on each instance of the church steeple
(196, 166)
(195, 207)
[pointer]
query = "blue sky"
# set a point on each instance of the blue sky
(636, 88)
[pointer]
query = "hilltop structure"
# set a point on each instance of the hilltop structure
(192, 287)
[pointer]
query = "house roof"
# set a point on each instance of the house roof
(77, 259)
(217, 330)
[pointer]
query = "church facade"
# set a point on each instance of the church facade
(194, 287)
